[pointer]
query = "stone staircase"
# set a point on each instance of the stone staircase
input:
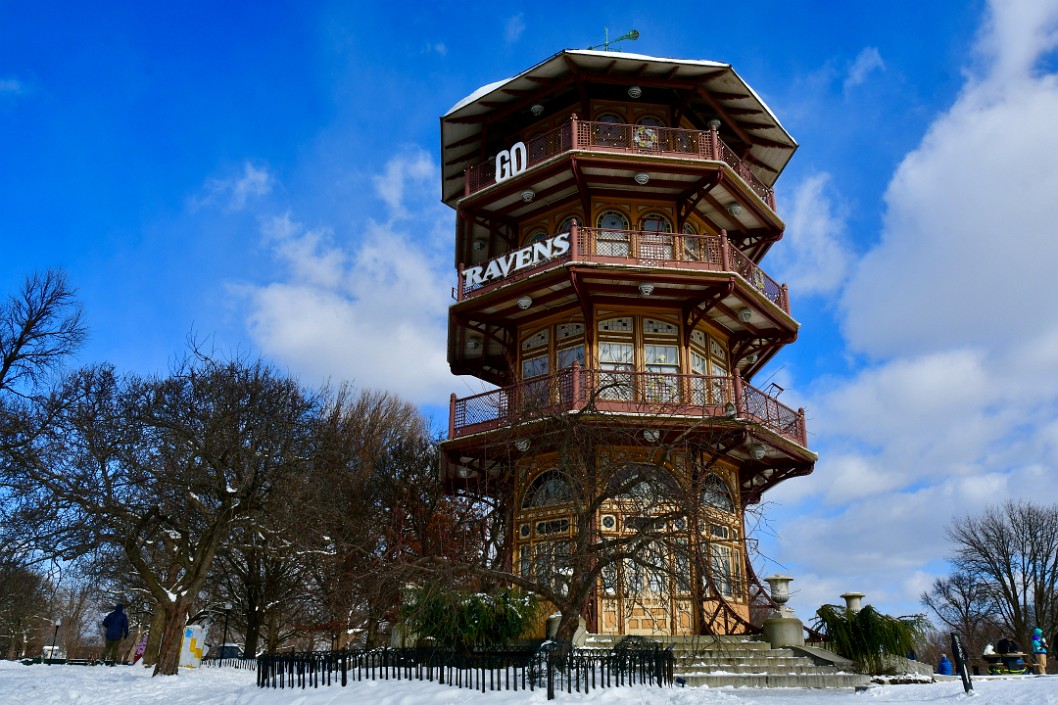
(747, 661)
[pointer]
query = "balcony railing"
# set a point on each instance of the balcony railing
(589, 136)
(628, 392)
(645, 249)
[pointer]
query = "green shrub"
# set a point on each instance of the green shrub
(868, 636)
(460, 620)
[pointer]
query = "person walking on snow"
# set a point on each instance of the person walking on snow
(1039, 650)
(116, 625)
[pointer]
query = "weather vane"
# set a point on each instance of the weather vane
(631, 35)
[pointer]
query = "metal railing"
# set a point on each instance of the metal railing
(555, 670)
(646, 249)
(621, 391)
(243, 662)
(590, 136)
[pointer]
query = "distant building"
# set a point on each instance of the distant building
(613, 211)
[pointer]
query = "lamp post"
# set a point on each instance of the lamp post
(227, 611)
(54, 636)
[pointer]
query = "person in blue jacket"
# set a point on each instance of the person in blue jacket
(116, 625)
(944, 666)
(1039, 650)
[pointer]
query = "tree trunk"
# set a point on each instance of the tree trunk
(154, 638)
(253, 629)
(567, 626)
(172, 635)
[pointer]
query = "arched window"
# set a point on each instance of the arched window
(655, 223)
(612, 238)
(537, 235)
(693, 246)
(548, 489)
(717, 494)
(567, 223)
(653, 246)
(611, 133)
(642, 482)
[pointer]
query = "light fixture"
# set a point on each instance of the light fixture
(751, 358)
(474, 343)
(735, 209)
(745, 315)
(522, 444)
(537, 110)
(634, 92)
(651, 434)
(730, 410)
(528, 195)
(756, 450)
(641, 178)
(646, 289)
(525, 302)
(480, 244)
(466, 473)
(713, 124)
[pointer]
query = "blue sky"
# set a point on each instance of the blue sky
(265, 177)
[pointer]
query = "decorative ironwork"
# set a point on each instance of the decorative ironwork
(593, 136)
(556, 669)
(625, 392)
(649, 249)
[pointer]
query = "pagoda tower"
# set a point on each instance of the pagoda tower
(613, 212)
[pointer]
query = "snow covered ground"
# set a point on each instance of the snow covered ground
(99, 685)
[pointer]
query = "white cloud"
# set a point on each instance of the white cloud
(11, 86)
(954, 410)
(415, 167)
(813, 257)
(514, 29)
(867, 61)
(234, 193)
(969, 242)
(372, 312)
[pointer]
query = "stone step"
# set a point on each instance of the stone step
(800, 667)
(748, 662)
(778, 658)
(773, 680)
(683, 642)
(736, 654)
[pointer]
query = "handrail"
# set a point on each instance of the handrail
(624, 391)
(592, 136)
(646, 249)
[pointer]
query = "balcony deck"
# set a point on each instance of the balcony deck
(621, 138)
(624, 392)
(646, 249)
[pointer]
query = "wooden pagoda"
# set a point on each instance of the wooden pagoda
(613, 213)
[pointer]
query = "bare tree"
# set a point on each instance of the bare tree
(39, 327)
(162, 468)
(379, 508)
(24, 603)
(965, 604)
(1013, 550)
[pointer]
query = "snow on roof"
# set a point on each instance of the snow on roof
(483, 91)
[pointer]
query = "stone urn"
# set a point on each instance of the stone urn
(782, 628)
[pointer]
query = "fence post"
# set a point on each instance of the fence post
(550, 677)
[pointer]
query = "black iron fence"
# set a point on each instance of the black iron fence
(553, 669)
(234, 662)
